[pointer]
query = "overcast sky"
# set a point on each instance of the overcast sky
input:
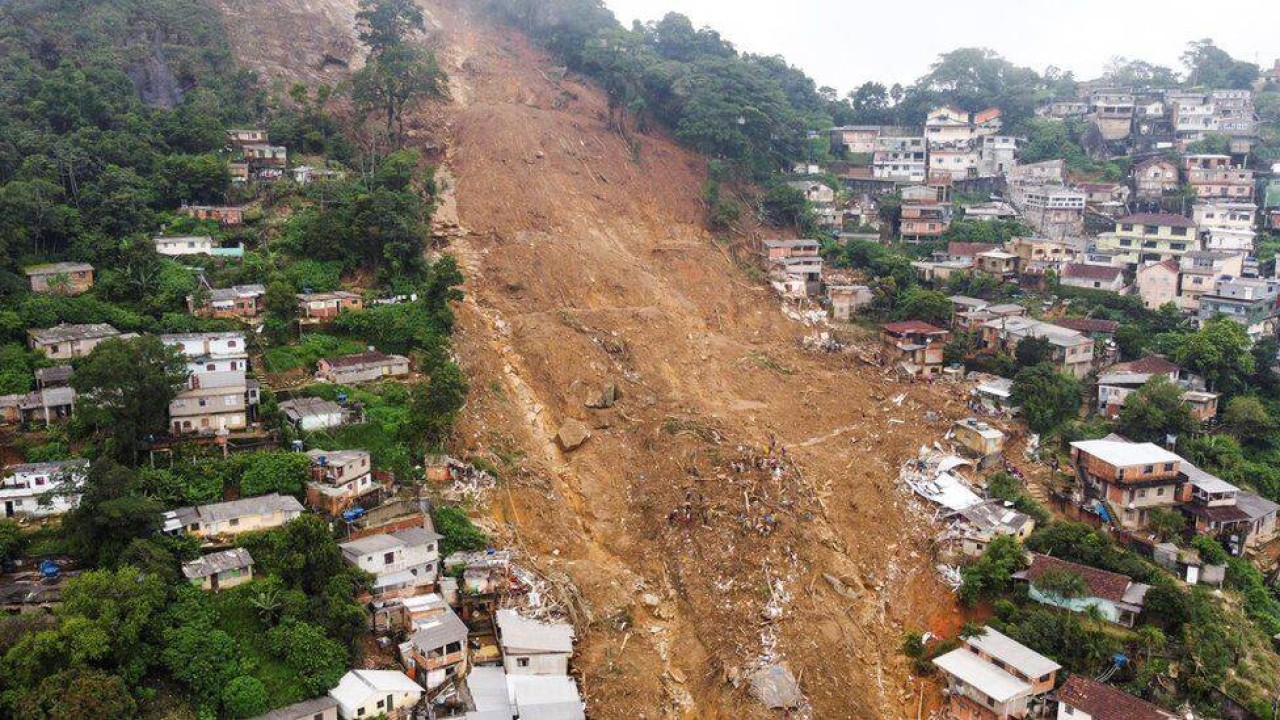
(843, 43)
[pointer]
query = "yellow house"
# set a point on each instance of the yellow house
(1149, 238)
(220, 570)
(234, 517)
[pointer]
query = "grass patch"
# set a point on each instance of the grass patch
(308, 350)
(386, 410)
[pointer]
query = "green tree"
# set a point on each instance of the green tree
(125, 387)
(77, 693)
(460, 534)
(434, 407)
(1155, 411)
(318, 661)
(1165, 523)
(1047, 397)
(111, 514)
(279, 472)
(929, 306)
(1033, 351)
(1248, 420)
(396, 72)
(992, 574)
(203, 658)
(246, 697)
(1062, 584)
(1219, 352)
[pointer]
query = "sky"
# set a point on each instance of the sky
(843, 43)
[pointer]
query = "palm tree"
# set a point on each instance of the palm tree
(267, 602)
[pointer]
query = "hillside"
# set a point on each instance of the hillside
(587, 264)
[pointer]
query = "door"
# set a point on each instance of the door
(213, 582)
(8, 508)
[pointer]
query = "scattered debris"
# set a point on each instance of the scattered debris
(606, 399)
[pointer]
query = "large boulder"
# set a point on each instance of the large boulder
(572, 434)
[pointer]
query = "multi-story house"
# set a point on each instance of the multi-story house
(914, 347)
(263, 512)
(1053, 210)
(1051, 253)
(947, 125)
(534, 647)
(244, 302)
(997, 154)
(403, 563)
(246, 136)
(1213, 177)
(218, 396)
(1200, 272)
(1154, 178)
(1112, 112)
(923, 221)
(1157, 283)
(437, 651)
(319, 308)
(63, 278)
(1226, 226)
(339, 478)
(993, 677)
(1150, 237)
(783, 249)
(1133, 478)
(265, 155)
(1252, 302)
(65, 342)
(1072, 351)
(43, 488)
(901, 159)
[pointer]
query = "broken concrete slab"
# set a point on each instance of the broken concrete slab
(572, 434)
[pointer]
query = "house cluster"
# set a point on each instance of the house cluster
(470, 649)
(1125, 119)
(994, 677)
(1123, 482)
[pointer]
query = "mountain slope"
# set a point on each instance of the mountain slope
(587, 264)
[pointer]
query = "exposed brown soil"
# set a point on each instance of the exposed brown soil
(586, 264)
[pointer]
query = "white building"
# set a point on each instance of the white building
(401, 560)
(217, 396)
(184, 245)
(1226, 226)
(41, 489)
(363, 694)
(901, 159)
(532, 647)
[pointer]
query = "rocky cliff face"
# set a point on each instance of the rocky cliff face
(735, 507)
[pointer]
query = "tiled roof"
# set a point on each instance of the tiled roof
(1152, 365)
(1092, 272)
(967, 249)
(1089, 325)
(1102, 584)
(1106, 702)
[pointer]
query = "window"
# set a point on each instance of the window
(1148, 469)
(1168, 467)
(522, 662)
(388, 558)
(234, 522)
(1180, 232)
(452, 648)
(210, 367)
(1150, 229)
(1159, 492)
(381, 704)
